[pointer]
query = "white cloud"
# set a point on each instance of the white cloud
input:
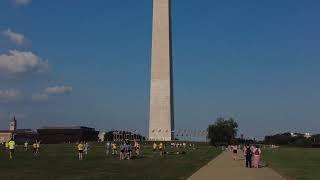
(40, 97)
(17, 38)
(55, 90)
(22, 2)
(19, 62)
(9, 94)
(58, 90)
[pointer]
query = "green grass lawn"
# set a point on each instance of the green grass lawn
(60, 162)
(297, 163)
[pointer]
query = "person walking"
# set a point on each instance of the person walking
(12, 145)
(129, 146)
(161, 148)
(154, 147)
(256, 156)
(86, 148)
(34, 148)
(26, 146)
(107, 148)
(114, 148)
(234, 151)
(122, 151)
(38, 147)
(136, 148)
(248, 156)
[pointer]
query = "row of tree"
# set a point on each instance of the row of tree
(297, 140)
(224, 132)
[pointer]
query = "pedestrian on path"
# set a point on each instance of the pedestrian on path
(248, 156)
(256, 156)
(235, 151)
(224, 167)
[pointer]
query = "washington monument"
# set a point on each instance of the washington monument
(161, 122)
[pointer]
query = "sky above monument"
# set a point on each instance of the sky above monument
(88, 63)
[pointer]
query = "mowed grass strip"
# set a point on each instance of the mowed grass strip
(61, 162)
(297, 163)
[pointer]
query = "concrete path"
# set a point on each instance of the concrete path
(225, 168)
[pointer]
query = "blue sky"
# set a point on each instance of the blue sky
(88, 63)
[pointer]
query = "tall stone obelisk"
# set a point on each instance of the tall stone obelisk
(161, 122)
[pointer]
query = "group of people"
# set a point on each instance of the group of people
(182, 145)
(10, 146)
(160, 147)
(83, 148)
(126, 150)
(251, 153)
(35, 147)
(178, 147)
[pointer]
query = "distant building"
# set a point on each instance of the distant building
(13, 124)
(23, 135)
(307, 135)
(70, 134)
(19, 135)
(101, 136)
(5, 135)
(293, 134)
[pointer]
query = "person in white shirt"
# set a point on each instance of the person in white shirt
(26, 146)
(108, 147)
(256, 156)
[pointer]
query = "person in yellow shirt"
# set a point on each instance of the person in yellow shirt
(80, 150)
(114, 148)
(155, 146)
(137, 148)
(34, 148)
(161, 148)
(12, 146)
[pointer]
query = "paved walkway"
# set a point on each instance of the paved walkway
(225, 168)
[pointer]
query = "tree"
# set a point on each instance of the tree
(288, 139)
(223, 131)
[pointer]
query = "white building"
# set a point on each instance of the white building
(6, 135)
